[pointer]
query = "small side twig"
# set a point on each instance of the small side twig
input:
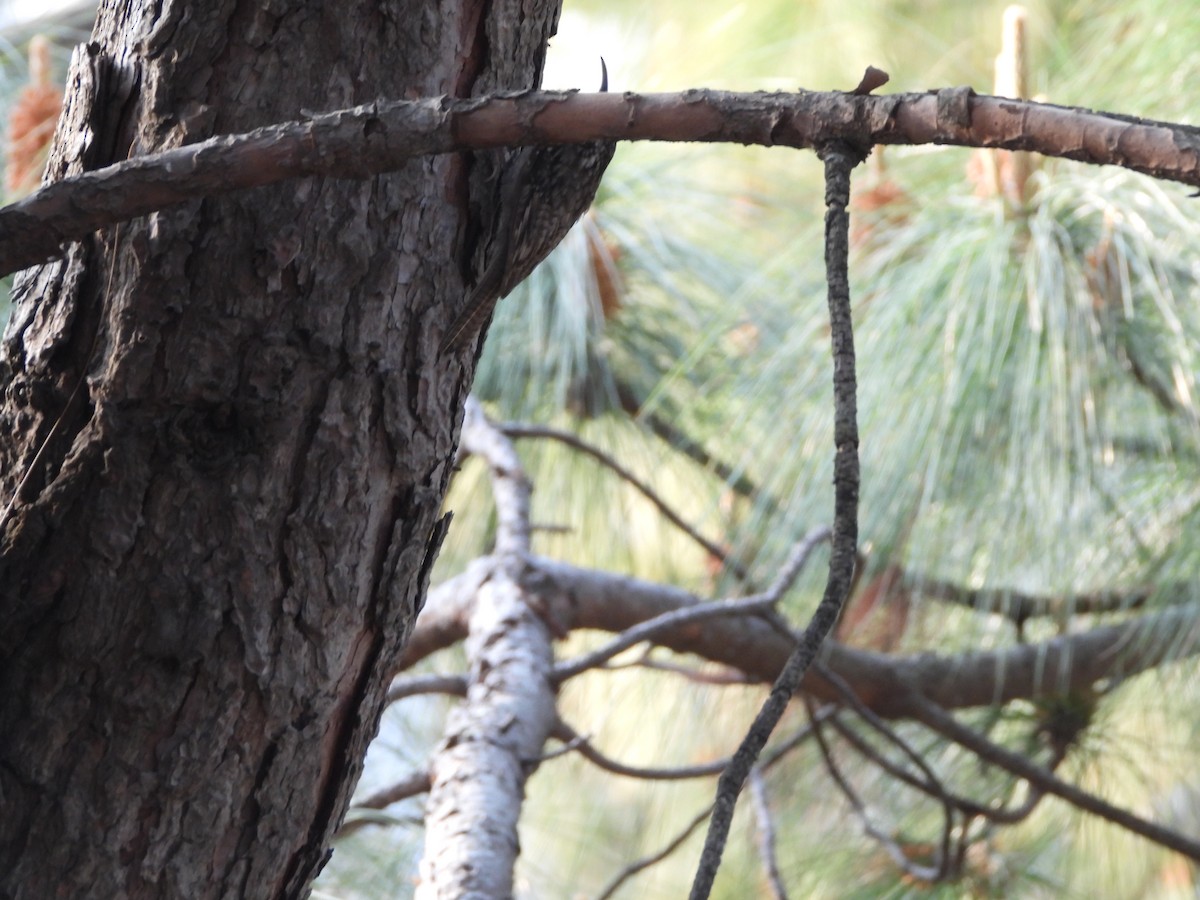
(839, 159)
(931, 874)
(965, 805)
(936, 789)
(410, 786)
(516, 430)
(723, 678)
(801, 735)
(571, 741)
(682, 442)
(454, 685)
(766, 835)
(645, 862)
(1041, 778)
(574, 741)
(741, 606)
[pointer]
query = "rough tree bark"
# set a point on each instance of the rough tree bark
(228, 439)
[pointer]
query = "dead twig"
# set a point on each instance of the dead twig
(766, 835)
(516, 430)
(741, 606)
(1042, 778)
(932, 874)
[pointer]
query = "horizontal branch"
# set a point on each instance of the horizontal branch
(591, 599)
(383, 136)
(1019, 605)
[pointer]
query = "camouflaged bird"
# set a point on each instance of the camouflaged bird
(542, 193)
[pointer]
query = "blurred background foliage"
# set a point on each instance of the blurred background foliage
(1027, 397)
(1027, 384)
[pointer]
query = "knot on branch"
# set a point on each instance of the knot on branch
(848, 153)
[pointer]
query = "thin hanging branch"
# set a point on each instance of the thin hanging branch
(971, 808)
(839, 159)
(934, 786)
(934, 789)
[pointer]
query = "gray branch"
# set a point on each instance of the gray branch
(478, 773)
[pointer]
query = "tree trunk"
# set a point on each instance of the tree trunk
(230, 433)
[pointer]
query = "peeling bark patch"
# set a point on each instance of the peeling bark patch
(954, 107)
